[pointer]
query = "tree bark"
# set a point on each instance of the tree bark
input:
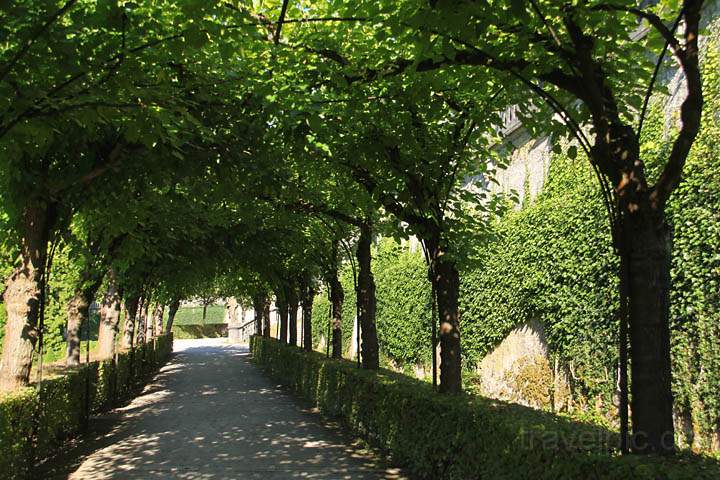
(282, 306)
(337, 296)
(109, 318)
(172, 311)
(131, 312)
(141, 319)
(149, 323)
(649, 242)
(258, 304)
(307, 305)
(367, 300)
(78, 312)
(292, 315)
(22, 299)
(266, 316)
(232, 320)
(644, 241)
(446, 278)
(158, 318)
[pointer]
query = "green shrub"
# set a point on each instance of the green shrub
(194, 315)
(34, 422)
(462, 437)
(17, 411)
(403, 304)
(211, 330)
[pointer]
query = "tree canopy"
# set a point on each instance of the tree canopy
(241, 147)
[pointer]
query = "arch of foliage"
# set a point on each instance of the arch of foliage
(145, 138)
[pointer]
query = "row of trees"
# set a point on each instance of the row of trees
(172, 143)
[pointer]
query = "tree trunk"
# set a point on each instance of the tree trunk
(78, 312)
(232, 320)
(292, 315)
(131, 312)
(158, 318)
(172, 311)
(232, 308)
(258, 304)
(367, 301)
(648, 240)
(266, 316)
(140, 324)
(109, 318)
(22, 300)
(447, 287)
(337, 296)
(149, 323)
(205, 305)
(307, 305)
(282, 307)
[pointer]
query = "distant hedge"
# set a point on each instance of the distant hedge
(34, 422)
(208, 330)
(461, 437)
(187, 315)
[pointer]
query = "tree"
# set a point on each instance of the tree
(367, 301)
(132, 305)
(412, 162)
(307, 297)
(109, 317)
(293, 301)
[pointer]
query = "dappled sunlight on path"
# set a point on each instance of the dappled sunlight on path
(211, 414)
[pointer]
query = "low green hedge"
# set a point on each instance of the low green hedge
(462, 437)
(208, 330)
(34, 422)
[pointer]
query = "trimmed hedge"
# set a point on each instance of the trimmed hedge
(462, 437)
(34, 422)
(208, 330)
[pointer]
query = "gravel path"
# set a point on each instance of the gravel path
(211, 414)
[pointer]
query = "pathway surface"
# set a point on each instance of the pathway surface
(211, 414)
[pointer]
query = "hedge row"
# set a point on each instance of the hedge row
(34, 422)
(208, 330)
(461, 437)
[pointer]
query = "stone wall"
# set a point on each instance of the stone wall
(526, 172)
(518, 369)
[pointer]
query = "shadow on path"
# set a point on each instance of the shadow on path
(211, 414)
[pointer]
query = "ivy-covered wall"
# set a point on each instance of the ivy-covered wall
(552, 262)
(695, 300)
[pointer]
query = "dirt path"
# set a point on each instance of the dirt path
(211, 414)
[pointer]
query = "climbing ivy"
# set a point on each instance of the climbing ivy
(695, 297)
(403, 304)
